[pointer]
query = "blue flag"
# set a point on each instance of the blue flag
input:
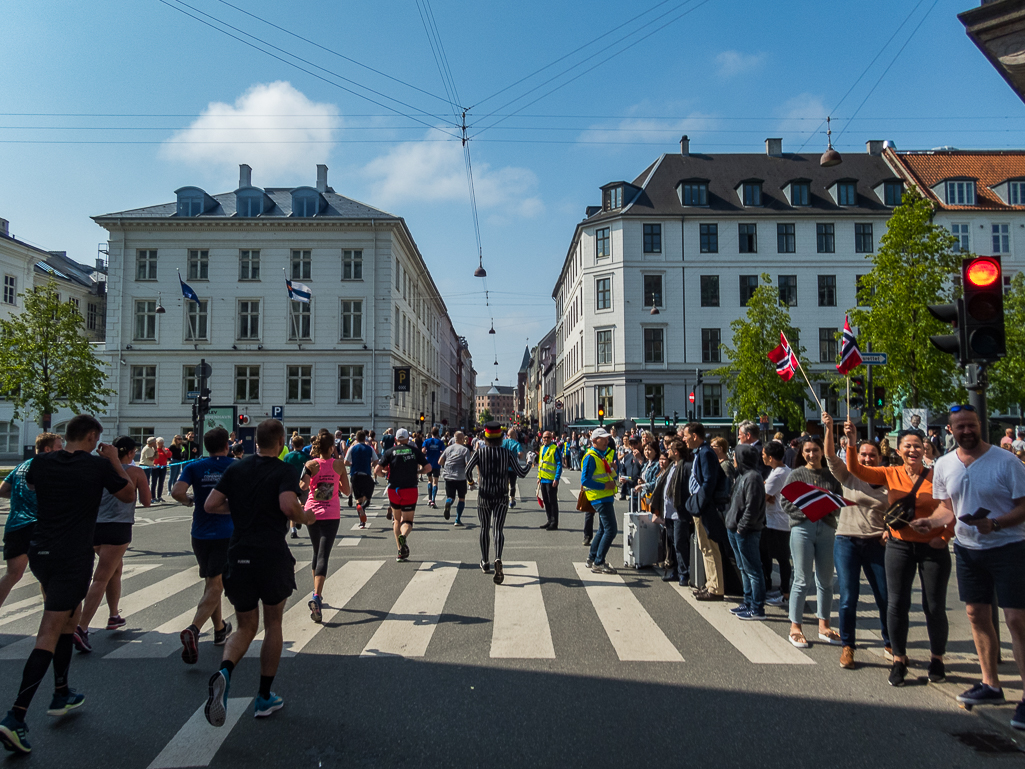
(187, 291)
(298, 292)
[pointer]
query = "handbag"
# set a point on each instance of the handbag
(902, 512)
(583, 503)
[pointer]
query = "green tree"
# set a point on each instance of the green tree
(1007, 377)
(485, 417)
(912, 268)
(46, 362)
(753, 387)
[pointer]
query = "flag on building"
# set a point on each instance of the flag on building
(814, 502)
(784, 358)
(850, 355)
(298, 292)
(187, 291)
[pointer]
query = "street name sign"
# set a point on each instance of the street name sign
(873, 358)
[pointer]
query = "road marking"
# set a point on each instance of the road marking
(630, 628)
(370, 514)
(197, 742)
(520, 629)
(755, 640)
(409, 626)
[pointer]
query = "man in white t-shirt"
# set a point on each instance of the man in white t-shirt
(984, 489)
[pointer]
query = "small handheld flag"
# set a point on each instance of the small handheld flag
(784, 358)
(298, 292)
(850, 355)
(187, 291)
(814, 502)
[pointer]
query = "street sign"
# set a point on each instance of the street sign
(203, 371)
(192, 394)
(401, 380)
(277, 412)
(873, 358)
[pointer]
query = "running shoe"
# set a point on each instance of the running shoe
(752, 615)
(458, 523)
(190, 645)
(362, 515)
(65, 703)
(316, 609)
(216, 709)
(898, 673)
(350, 500)
(588, 563)
(221, 636)
(81, 639)
(937, 671)
(739, 609)
(448, 510)
(1018, 719)
(116, 622)
(499, 574)
(389, 514)
(293, 533)
(776, 600)
(403, 548)
(587, 541)
(982, 694)
(485, 567)
(264, 707)
(14, 734)
(603, 568)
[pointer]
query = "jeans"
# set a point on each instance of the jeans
(678, 548)
(749, 560)
(607, 530)
(854, 555)
(156, 480)
(903, 559)
(811, 545)
(174, 471)
(775, 546)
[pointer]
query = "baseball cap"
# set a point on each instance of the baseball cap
(599, 432)
(402, 433)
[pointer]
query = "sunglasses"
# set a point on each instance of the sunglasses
(955, 409)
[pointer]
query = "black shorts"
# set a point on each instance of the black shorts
(455, 489)
(16, 541)
(362, 486)
(258, 576)
(212, 556)
(65, 582)
(434, 472)
(112, 534)
(980, 572)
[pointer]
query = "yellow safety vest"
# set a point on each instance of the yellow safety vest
(546, 469)
(601, 475)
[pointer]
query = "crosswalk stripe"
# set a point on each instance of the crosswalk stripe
(197, 742)
(409, 626)
(630, 628)
(755, 640)
(520, 629)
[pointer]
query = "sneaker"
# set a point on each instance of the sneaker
(587, 541)
(485, 567)
(847, 658)
(293, 533)
(361, 512)
(216, 709)
(512, 503)
(403, 548)
(1018, 719)
(772, 593)
(458, 523)
(190, 645)
(80, 639)
(898, 672)
(499, 574)
(264, 707)
(448, 510)
(603, 568)
(116, 622)
(752, 614)
(588, 563)
(982, 694)
(14, 734)
(937, 671)
(350, 500)
(776, 600)
(739, 609)
(389, 516)
(65, 703)
(316, 609)
(221, 636)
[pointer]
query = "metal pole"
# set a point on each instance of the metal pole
(869, 406)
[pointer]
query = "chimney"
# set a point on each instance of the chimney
(321, 178)
(684, 146)
(874, 146)
(4, 225)
(774, 148)
(245, 176)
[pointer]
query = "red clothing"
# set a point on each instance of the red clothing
(162, 458)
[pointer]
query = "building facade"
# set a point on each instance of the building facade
(499, 401)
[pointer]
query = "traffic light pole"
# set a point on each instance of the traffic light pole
(976, 382)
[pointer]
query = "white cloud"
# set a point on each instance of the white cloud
(802, 115)
(732, 63)
(273, 127)
(649, 130)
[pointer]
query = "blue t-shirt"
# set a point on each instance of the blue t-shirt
(24, 506)
(361, 456)
(204, 475)
(432, 449)
(514, 447)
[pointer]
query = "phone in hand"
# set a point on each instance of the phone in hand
(982, 512)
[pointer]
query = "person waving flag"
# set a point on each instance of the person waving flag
(187, 291)
(850, 355)
(784, 358)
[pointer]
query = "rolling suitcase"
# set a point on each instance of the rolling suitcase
(640, 537)
(697, 564)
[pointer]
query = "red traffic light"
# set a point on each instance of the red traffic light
(691, 397)
(243, 419)
(982, 272)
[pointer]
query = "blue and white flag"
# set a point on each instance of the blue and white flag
(187, 291)
(298, 292)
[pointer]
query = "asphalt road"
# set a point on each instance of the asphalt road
(428, 663)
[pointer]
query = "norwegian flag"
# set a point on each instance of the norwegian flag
(850, 355)
(784, 358)
(814, 502)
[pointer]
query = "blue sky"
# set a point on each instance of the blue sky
(729, 73)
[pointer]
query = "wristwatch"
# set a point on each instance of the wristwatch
(996, 524)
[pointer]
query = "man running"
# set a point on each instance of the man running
(261, 493)
(210, 537)
(453, 471)
(68, 484)
(516, 448)
(432, 449)
(361, 458)
(402, 463)
(549, 469)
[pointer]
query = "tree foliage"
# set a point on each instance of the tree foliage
(1007, 377)
(912, 268)
(485, 417)
(46, 362)
(753, 387)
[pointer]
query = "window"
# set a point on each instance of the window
(711, 338)
(73, 301)
(144, 384)
(654, 400)
(653, 291)
(300, 384)
(140, 434)
(827, 290)
(605, 399)
(197, 321)
(190, 205)
(603, 350)
(145, 321)
(694, 194)
(863, 241)
(1001, 239)
(10, 434)
(960, 193)
(301, 265)
(747, 238)
(613, 198)
(1016, 193)
(709, 238)
(247, 384)
(190, 383)
(199, 264)
(352, 319)
(653, 238)
(350, 384)
(826, 238)
(146, 264)
(787, 290)
(306, 204)
(711, 400)
(94, 318)
(847, 194)
(249, 205)
(601, 242)
(299, 325)
(709, 290)
(249, 319)
(352, 264)
(892, 193)
(248, 265)
(961, 232)
(800, 194)
(786, 241)
(603, 294)
(10, 289)
(653, 345)
(827, 345)
(828, 397)
(752, 194)
(748, 285)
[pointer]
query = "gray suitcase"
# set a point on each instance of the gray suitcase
(640, 537)
(697, 564)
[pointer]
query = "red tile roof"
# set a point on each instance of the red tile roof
(987, 167)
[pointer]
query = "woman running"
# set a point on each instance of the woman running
(324, 477)
(495, 463)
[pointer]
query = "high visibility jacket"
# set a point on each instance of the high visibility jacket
(549, 463)
(603, 473)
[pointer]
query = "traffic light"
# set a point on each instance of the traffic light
(676, 417)
(667, 421)
(878, 397)
(698, 378)
(243, 420)
(857, 392)
(601, 416)
(203, 402)
(195, 413)
(422, 419)
(984, 309)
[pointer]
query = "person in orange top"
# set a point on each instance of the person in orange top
(907, 551)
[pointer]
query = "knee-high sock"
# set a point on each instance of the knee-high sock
(35, 668)
(460, 505)
(62, 662)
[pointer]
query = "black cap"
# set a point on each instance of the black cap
(125, 445)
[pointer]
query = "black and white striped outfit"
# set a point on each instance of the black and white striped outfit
(493, 464)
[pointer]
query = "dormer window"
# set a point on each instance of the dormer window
(306, 202)
(960, 192)
(249, 203)
(800, 194)
(613, 198)
(893, 192)
(192, 201)
(752, 193)
(847, 194)
(694, 193)
(1016, 193)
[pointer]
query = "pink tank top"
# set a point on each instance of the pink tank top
(323, 498)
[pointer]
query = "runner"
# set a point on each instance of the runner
(113, 535)
(261, 493)
(432, 449)
(21, 518)
(324, 478)
(361, 457)
(210, 537)
(402, 464)
(69, 485)
(453, 470)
